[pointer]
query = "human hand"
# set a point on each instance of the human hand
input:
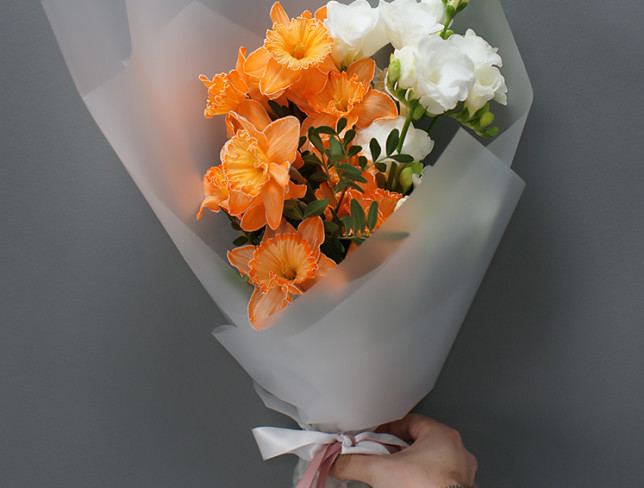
(436, 458)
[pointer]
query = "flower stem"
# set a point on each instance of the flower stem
(405, 128)
(431, 126)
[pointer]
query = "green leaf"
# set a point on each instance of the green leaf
(349, 136)
(336, 219)
(403, 158)
(235, 225)
(363, 161)
(392, 141)
(372, 215)
(240, 241)
(375, 149)
(335, 159)
(301, 142)
(354, 185)
(319, 176)
(333, 248)
(358, 217)
(381, 180)
(342, 123)
(354, 150)
(316, 141)
(349, 170)
(347, 223)
(325, 129)
(335, 148)
(330, 227)
(277, 109)
(311, 159)
(382, 167)
(315, 208)
(292, 210)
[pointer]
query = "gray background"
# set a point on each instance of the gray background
(109, 376)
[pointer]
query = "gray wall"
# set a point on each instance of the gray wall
(109, 376)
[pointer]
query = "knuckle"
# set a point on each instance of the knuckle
(454, 436)
(474, 463)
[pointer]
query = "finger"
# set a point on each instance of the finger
(355, 467)
(410, 427)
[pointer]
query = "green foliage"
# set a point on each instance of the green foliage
(279, 111)
(315, 208)
(372, 216)
(375, 149)
(480, 122)
(240, 241)
(392, 141)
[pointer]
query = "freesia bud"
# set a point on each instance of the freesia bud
(458, 4)
(405, 179)
(486, 119)
(393, 73)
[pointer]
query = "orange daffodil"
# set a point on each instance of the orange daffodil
(226, 91)
(285, 264)
(216, 190)
(349, 94)
(294, 49)
(256, 164)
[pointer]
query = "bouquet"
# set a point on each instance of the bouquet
(355, 263)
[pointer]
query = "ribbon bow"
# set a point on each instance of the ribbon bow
(320, 448)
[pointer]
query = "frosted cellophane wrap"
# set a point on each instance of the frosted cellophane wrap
(365, 344)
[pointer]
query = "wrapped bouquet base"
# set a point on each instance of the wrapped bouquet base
(367, 342)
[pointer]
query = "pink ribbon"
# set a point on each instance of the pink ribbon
(325, 458)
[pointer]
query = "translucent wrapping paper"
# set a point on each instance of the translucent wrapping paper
(365, 344)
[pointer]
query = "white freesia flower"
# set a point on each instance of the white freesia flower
(407, 58)
(489, 82)
(444, 74)
(406, 22)
(417, 143)
(356, 29)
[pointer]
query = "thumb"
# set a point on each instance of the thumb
(355, 467)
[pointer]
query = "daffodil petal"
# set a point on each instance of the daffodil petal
(364, 68)
(238, 202)
(283, 228)
(240, 257)
(276, 79)
(255, 113)
(279, 15)
(282, 137)
(212, 203)
(262, 305)
(279, 173)
(254, 218)
(255, 63)
(273, 198)
(375, 105)
(312, 230)
(320, 14)
(295, 191)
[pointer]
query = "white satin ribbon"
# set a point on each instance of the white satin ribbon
(273, 441)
